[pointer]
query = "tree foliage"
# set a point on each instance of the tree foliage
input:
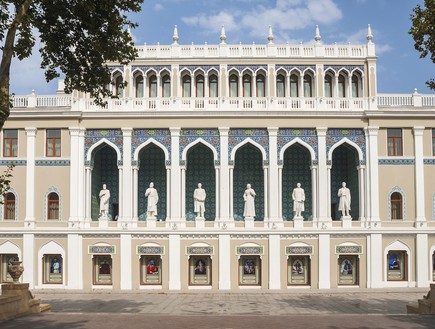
(78, 38)
(423, 32)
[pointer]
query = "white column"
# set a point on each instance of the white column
(280, 191)
(274, 197)
(422, 261)
(182, 191)
(30, 176)
(231, 192)
(174, 262)
(314, 191)
(324, 261)
(126, 263)
(88, 202)
(29, 260)
(74, 174)
(74, 261)
(135, 192)
(419, 176)
(374, 174)
(328, 194)
(168, 192)
(369, 261)
(266, 193)
(120, 197)
(218, 190)
(361, 184)
(322, 177)
(377, 266)
(274, 261)
(81, 175)
(224, 175)
(224, 262)
(175, 175)
(127, 206)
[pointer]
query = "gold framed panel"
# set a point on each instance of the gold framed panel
(102, 270)
(200, 270)
(151, 270)
(250, 270)
(348, 270)
(52, 268)
(298, 270)
(397, 264)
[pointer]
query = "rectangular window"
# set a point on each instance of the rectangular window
(102, 269)
(10, 142)
(200, 271)
(5, 259)
(53, 269)
(348, 270)
(298, 270)
(396, 265)
(53, 139)
(249, 270)
(394, 142)
(151, 270)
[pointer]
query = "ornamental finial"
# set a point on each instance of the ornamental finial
(175, 36)
(317, 37)
(270, 36)
(223, 36)
(369, 34)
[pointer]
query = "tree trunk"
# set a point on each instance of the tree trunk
(5, 65)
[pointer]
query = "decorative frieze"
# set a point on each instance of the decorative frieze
(199, 250)
(334, 136)
(255, 250)
(237, 136)
(52, 163)
(396, 162)
(348, 250)
(92, 250)
(150, 250)
(189, 136)
(299, 250)
(140, 136)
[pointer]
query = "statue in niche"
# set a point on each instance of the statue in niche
(104, 202)
(199, 201)
(298, 197)
(152, 199)
(249, 197)
(344, 204)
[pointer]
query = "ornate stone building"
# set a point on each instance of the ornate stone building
(225, 116)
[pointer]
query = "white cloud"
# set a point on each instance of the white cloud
(283, 15)
(158, 7)
(383, 48)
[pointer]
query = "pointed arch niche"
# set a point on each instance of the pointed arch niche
(200, 168)
(104, 157)
(344, 167)
(151, 169)
(248, 169)
(296, 169)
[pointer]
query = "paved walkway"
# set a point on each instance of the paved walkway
(339, 308)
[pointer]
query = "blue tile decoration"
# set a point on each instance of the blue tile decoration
(248, 169)
(204, 68)
(396, 162)
(344, 163)
(116, 67)
(356, 136)
(53, 163)
(152, 169)
(241, 68)
(237, 136)
(188, 136)
(399, 190)
(140, 136)
(289, 68)
(200, 169)
(287, 135)
(16, 163)
(429, 161)
(146, 68)
(350, 68)
(93, 136)
(105, 171)
(296, 169)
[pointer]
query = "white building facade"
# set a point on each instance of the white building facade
(225, 116)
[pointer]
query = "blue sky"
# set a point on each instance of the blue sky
(400, 68)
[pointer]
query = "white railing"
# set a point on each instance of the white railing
(402, 100)
(256, 51)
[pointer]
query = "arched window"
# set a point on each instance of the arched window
(294, 90)
(186, 85)
(9, 206)
(328, 86)
(280, 86)
(166, 86)
(396, 206)
(118, 86)
(261, 88)
(247, 90)
(341, 86)
(53, 206)
(355, 86)
(213, 85)
(139, 86)
(152, 83)
(308, 86)
(199, 85)
(234, 86)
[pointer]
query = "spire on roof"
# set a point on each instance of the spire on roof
(175, 36)
(369, 34)
(223, 36)
(270, 36)
(317, 36)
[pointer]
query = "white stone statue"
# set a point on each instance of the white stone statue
(104, 202)
(249, 197)
(152, 199)
(199, 201)
(344, 205)
(298, 197)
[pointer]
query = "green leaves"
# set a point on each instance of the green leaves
(5, 181)
(423, 32)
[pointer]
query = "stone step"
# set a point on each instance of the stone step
(412, 308)
(45, 307)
